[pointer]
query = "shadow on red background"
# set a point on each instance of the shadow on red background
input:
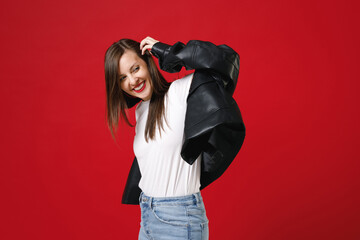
(297, 174)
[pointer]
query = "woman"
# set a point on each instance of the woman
(169, 187)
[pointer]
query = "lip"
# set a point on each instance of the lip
(141, 89)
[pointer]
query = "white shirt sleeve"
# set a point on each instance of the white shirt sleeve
(181, 87)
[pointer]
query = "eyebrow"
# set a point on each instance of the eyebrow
(131, 67)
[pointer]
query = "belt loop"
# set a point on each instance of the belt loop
(197, 198)
(140, 197)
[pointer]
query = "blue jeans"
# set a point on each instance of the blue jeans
(173, 218)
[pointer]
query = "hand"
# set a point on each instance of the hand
(147, 44)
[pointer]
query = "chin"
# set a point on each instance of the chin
(146, 98)
(147, 93)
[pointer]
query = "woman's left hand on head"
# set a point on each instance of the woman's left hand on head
(147, 44)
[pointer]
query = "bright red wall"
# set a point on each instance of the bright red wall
(297, 174)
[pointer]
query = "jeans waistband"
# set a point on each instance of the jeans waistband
(194, 198)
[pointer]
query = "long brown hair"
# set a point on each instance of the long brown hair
(117, 102)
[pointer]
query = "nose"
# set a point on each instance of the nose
(133, 81)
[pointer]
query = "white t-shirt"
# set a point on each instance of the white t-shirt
(163, 171)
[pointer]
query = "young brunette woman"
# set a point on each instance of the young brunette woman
(187, 131)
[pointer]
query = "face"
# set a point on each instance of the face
(135, 78)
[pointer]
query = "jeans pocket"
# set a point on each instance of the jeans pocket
(195, 210)
(173, 215)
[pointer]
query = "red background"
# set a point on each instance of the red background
(297, 174)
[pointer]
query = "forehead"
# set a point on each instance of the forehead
(127, 60)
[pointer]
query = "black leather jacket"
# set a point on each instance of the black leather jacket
(213, 122)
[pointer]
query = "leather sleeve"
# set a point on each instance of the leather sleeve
(132, 191)
(213, 122)
(200, 55)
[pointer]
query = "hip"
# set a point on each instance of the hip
(181, 217)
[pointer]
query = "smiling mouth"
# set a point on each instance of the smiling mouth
(139, 88)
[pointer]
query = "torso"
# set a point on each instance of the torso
(164, 173)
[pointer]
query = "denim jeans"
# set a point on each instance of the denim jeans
(173, 218)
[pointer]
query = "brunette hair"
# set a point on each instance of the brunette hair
(117, 101)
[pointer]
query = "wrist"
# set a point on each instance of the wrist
(159, 48)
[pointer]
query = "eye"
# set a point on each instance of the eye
(122, 78)
(136, 69)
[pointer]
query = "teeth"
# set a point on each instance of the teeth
(139, 87)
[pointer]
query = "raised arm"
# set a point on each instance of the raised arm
(201, 55)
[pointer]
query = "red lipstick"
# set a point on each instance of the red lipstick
(141, 89)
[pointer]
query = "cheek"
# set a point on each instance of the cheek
(148, 76)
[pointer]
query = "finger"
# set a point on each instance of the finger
(146, 47)
(142, 43)
(142, 50)
(145, 41)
